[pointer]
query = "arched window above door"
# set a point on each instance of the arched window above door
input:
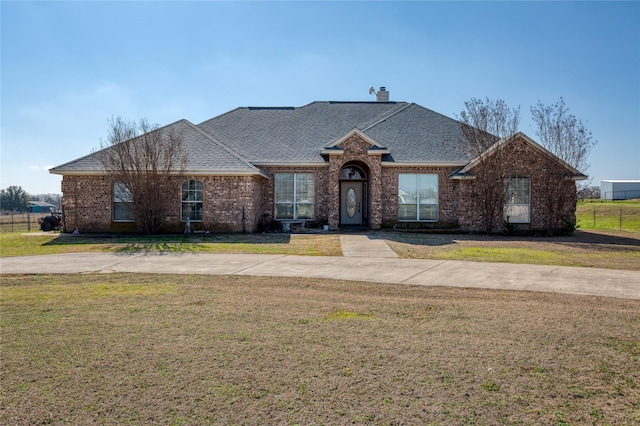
(352, 172)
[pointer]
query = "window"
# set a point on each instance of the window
(352, 173)
(418, 197)
(294, 195)
(122, 203)
(517, 199)
(191, 207)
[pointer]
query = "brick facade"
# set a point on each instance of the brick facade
(447, 200)
(355, 152)
(553, 196)
(230, 203)
(267, 196)
(239, 203)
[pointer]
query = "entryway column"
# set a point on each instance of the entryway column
(333, 216)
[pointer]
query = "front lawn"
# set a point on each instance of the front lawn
(164, 349)
(19, 244)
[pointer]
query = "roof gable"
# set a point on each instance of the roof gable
(337, 147)
(465, 171)
(205, 156)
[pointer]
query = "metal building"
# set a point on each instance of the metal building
(619, 189)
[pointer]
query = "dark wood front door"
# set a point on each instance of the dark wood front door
(351, 206)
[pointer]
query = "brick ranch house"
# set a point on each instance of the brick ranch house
(373, 164)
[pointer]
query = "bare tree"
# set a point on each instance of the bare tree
(484, 123)
(568, 139)
(563, 134)
(142, 158)
(588, 192)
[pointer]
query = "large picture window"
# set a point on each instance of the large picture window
(418, 197)
(517, 199)
(191, 207)
(294, 195)
(122, 203)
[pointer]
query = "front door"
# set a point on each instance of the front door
(351, 203)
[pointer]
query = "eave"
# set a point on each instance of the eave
(423, 164)
(370, 151)
(230, 172)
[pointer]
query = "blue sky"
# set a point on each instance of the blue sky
(69, 66)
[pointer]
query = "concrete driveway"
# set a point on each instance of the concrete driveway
(558, 279)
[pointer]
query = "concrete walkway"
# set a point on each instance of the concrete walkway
(558, 279)
(364, 246)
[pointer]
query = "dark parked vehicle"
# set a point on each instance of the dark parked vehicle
(51, 222)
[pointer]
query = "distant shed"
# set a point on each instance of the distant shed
(41, 207)
(619, 189)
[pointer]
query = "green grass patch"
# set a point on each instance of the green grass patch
(539, 257)
(507, 255)
(603, 249)
(609, 215)
(17, 244)
(346, 315)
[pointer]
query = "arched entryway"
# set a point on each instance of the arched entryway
(354, 209)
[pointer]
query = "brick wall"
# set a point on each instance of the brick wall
(87, 202)
(447, 200)
(553, 197)
(267, 197)
(355, 151)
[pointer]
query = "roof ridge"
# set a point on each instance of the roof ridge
(220, 115)
(439, 113)
(388, 116)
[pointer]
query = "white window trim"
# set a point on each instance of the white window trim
(295, 201)
(507, 205)
(417, 204)
(182, 203)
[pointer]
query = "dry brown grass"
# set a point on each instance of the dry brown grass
(160, 349)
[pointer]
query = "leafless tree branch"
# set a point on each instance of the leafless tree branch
(142, 157)
(563, 134)
(484, 123)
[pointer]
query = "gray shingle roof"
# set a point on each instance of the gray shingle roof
(420, 135)
(241, 139)
(290, 135)
(205, 155)
(297, 135)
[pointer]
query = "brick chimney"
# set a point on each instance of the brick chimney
(382, 95)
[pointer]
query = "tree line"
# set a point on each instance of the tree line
(16, 199)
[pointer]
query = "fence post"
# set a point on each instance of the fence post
(594, 217)
(620, 227)
(28, 222)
